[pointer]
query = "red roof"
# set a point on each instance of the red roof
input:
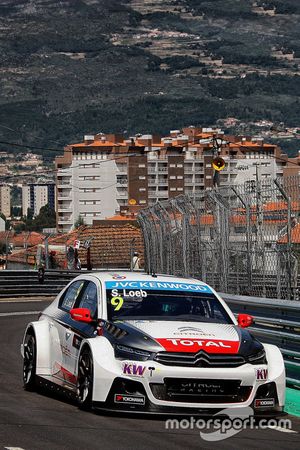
(26, 238)
(295, 236)
(111, 246)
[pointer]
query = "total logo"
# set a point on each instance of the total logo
(193, 345)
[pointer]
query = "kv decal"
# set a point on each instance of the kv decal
(134, 369)
(261, 374)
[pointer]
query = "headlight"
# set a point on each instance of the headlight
(123, 352)
(258, 358)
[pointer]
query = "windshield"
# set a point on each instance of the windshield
(153, 304)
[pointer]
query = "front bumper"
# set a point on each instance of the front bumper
(131, 397)
(153, 387)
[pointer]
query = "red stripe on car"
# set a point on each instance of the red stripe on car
(194, 345)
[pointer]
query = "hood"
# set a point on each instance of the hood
(191, 337)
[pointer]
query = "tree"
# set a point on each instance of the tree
(16, 211)
(79, 222)
(45, 219)
(29, 213)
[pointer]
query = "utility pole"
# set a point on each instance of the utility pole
(261, 266)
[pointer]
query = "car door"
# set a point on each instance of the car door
(59, 328)
(77, 331)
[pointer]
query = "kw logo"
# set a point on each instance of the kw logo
(261, 374)
(133, 369)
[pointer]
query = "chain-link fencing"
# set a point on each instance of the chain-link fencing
(242, 239)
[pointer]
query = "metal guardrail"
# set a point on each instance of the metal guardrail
(276, 322)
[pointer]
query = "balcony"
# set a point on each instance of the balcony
(64, 197)
(64, 186)
(64, 209)
(64, 220)
(64, 174)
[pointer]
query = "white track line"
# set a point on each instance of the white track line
(14, 448)
(25, 300)
(283, 430)
(19, 313)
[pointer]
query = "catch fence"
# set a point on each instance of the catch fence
(242, 239)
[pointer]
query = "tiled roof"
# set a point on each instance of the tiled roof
(29, 239)
(95, 144)
(281, 206)
(122, 218)
(25, 238)
(110, 246)
(295, 236)
(3, 235)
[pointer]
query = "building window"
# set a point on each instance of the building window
(142, 166)
(142, 202)
(172, 177)
(180, 189)
(180, 165)
(172, 165)
(141, 177)
(180, 177)
(142, 189)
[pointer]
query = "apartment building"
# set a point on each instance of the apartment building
(36, 195)
(107, 174)
(5, 200)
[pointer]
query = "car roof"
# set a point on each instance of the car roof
(140, 276)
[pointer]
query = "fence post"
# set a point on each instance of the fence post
(289, 230)
(248, 236)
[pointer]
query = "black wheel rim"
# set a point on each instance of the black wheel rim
(29, 360)
(85, 378)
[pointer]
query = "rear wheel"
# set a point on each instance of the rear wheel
(29, 362)
(85, 380)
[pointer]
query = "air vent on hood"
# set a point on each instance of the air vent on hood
(115, 331)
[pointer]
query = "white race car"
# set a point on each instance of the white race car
(129, 341)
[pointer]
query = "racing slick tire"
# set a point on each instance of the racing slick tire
(29, 362)
(85, 380)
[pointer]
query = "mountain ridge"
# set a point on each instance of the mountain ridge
(70, 68)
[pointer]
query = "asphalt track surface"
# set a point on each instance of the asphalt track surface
(37, 421)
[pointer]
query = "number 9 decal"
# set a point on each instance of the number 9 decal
(117, 302)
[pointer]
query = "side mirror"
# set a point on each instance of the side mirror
(81, 315)
(245, 320)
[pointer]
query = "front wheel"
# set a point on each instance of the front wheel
(85, 380)
(29, 362)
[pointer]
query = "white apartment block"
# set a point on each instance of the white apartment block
(37, 195)
(5, 200)
(106, 175)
